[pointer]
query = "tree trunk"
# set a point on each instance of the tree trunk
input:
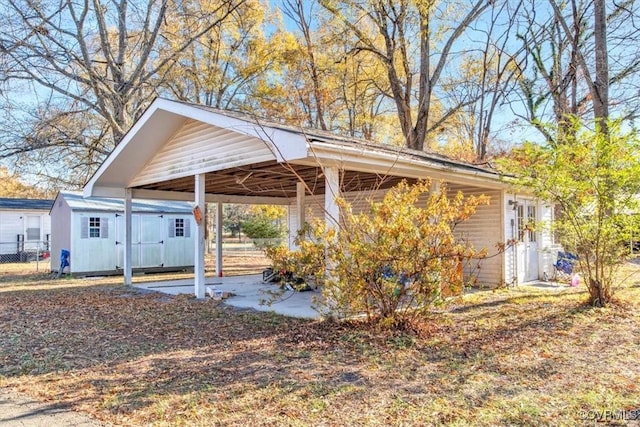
(599, 296)
(601, 95)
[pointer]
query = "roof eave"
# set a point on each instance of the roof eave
(398, 163)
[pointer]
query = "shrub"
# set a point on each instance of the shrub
(392, 261)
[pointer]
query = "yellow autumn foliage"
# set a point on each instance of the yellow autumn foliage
(394, 260)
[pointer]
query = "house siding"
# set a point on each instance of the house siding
(15, 222)
(482, 230)
(199, 147)
(61, 223)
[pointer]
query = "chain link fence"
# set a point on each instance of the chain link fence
(24, 251)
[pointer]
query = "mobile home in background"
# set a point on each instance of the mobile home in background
(25, 229)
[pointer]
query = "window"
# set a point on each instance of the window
(179, 227)
(531, 223)
(520, 222)
(94, 227)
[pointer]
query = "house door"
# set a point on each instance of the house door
(32, 232)
(146, 241)
(527, 247)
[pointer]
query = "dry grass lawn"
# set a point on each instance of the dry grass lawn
(520, 356)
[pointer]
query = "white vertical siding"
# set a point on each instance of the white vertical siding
(14, 222)
(92, 254)
(197, 148)
(179, 251)
(60, 231)
(46, 229)
(11, 224)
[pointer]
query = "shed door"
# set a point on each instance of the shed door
(135, 240)
(151, 243)
(527, 217)
(146, 241)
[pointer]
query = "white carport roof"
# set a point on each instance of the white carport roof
(246, 159)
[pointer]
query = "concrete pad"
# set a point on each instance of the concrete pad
(248, 292)
(550, 285)
(19, 410)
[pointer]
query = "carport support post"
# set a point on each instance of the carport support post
(331, 208)
(300, 193)
(198, 265)
(127, 236)
(332, 190)
(219, 239)
(435, 187)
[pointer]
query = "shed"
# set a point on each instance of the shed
(183, 151)
(25, 228)
(92, 230)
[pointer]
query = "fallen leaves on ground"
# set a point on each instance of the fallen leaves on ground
(128, 357)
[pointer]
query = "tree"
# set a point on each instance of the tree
(57, 144)
(334, 89)
(104, 60)
(551, 53)
(364, 110)
(12, 186)
(295, 10)
(399, 31)
(234, 215)
(225, 65)
(577, 62)
(594, 177)
(264, 222)
(498, 71)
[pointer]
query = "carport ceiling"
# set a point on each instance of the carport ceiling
(273, 179)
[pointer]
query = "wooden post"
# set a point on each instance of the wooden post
(198, 267)
(300, 206)
(128, 270)
(332, 191)
(219, 239)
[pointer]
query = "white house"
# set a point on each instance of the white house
(25, 228)
(182, 151)
(92, 230)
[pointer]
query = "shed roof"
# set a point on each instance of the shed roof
(26, 204)
(77, 202)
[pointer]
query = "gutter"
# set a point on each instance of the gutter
(400, 159)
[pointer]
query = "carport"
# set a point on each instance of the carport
(181, 151)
